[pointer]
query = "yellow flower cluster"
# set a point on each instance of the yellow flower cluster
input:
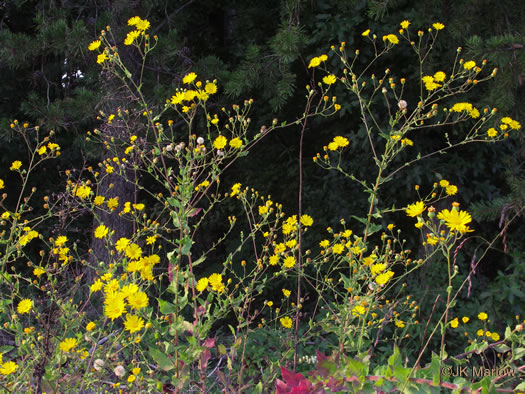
(28, 236)
(214, 280)
(316, 61)
(141, 25)
(338, 142)
(183, 95)
(391, 38)
(466, 107)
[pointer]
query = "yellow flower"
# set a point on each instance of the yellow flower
(102, 58)
(16, 165)
(469, 65)
(263, 209)
(61, 240)
(94, 45)
(405, 24)
(341, 141)
(315, 62)
(1, 183)
(151, 239)
(210, 88)
(42, 150)
(330, 79)
(289, 262)
(451, 190)
(495, 336)
(391, 38)
(236, 143)
(216, 284)
(38, 271)
(189, 78)
(286, 322)
(483, 316)
(138, 300)
(112, 203)
(122, 244)
(456, 220)
(96, 286)
(439, 76)
(67, 344)
(90, 326)
(324, 243)
(438, 26)
(24, 306)
(82, 191)
(358, 310)
(133, 251)
(236, 188)
(142, 25)
(454, 323)
(286, 293)
(415, 209)
(333, 146)
(202, 284)
(131, 37)
(220, 142)
(338, 248)
(307, 220)
(366, 33)
(377, 268)
(99, 200)
(133, 20)
(444, 183)
(115, 306)
(384, 277)
(101, 231)
(133, 323)
(465, 319)
(492, 132)
(131, 378)
(480, 333)
(8, 368)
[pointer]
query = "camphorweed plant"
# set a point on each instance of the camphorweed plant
(145, 322)
(360, 279)
(148, 320)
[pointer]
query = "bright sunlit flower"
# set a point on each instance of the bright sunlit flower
(220, 142)
(456, 220)
(189, 78)
(24, 306)
(330, 79)
(482, 316)
(94, 45)
(16, 165)
(101, 231)
(415, 209)
(438, 26)
(133, 323)
(286, 322)
(67, 344)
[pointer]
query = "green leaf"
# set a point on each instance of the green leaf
(161, 359)
(200, 260)
(186, 244)
(166, 308)
(173, 202)
(435, 368)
